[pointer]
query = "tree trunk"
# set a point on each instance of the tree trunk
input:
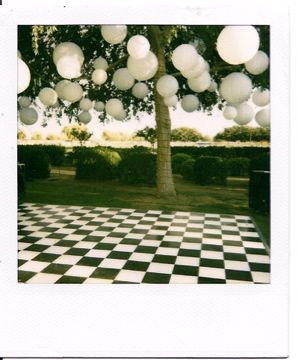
(165, 183)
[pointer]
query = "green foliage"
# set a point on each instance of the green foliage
(138, 168)
(261, 162)
(37, 136)
(36, 160)
(210, 170)
(55, 153)
(187, 169)
(186, 134)
(243, 133)
(238, 166)
(117, 136)
(77, 132)
(21, 135)
(53, 137)
(178, 160)
(149, 134)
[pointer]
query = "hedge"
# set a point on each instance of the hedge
(56, 153)
(36, 160)
(178, 160)
(187, 169)
(238, 166)
(210, 170)
(261, 162)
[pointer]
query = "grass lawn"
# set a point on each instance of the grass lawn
(230, 199)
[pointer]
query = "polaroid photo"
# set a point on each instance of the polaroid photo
(144, 181)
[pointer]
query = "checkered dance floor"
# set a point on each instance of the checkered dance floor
(75, 244)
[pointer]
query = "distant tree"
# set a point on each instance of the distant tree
(148, 133)
(243, 133)
(21, 135)
(116, 136)
(37, 136)
(186, 134)
(53, 137)
(77, 132)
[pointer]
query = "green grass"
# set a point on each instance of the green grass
(230, 199)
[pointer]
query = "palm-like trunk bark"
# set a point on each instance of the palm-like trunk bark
(165, 183)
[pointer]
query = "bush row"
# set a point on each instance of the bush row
(36, 160)
(55, 153)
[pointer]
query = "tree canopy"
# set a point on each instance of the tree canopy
(243, 133)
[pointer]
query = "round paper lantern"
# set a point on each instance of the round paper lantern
(100, 63)
(261, 97)
(200, 83)
(229, 112)
(24, 101)
(167, 85)
(122, 79)
(197, 70)
(121, 116)
(235, 88)
(143, 69)
(138, 47)
(85, 104)
(140, 90)
(189, 103)
(19, 54)
(258, 64)
(238, 44)
(263, 117)
(24, 76)
(207, 66)
(114, 34)
(72, 92)
(244, 114)
(68, 49)
(213, 86)
(99, 106)
(184, 57)
(85, 117)
(114, 107)
(28, 116)
(99, 76)
(59, 88)
(48, 96)
(171, 101)
(69, 67)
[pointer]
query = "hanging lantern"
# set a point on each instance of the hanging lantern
(140, 90)
(171, 101)
(212, 87)
(200, 83)
(99, 76)
(68, 49)
(24, 76)
(184, 57)
(263, 117)
(138, 47)
(143, 69)
(19, 54)
(69, 67)
(258, 64)
(114, 107)
(122, 79)
(114, 34)
(59, 88)
(197, 70)
(48, 96)
(28, 116)
(189, 103)
(167, 85)
(85, 104)
(261, 97)
(85, 117)
(99, 106)
(238, 44)
(244, 114)
(121, 116)
(235, 88)
(100, 63)
(72, 92)
(229, 112)
(24, 101)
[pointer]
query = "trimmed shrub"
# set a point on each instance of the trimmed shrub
(187, 169)
(178, 160)
(238, 166)
(138, 168)
(36, 160)
(56, 154)
(210, 170)
(261, 162)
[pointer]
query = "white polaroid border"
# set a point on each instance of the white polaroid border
(144, 320)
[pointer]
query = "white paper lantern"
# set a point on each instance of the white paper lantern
(28, 116)
(68, 49)
(114, 34)
(184, 57)
(100, 63)
(114, 107)
(140, 90)
(167, 85)
(122, 79)
(19, 54)
(69, 67)
(143, 69)
(189, 103)
(229, 112)
(59, 88)
(121, 116)
(238, 44)
(244, 114)
(138, 46)
(99, 106)
(85, 104)
(263, 117)
(24, 101)
(85, 117)
(72, 92)
(197, 70)
(207, 66)
(235, 88)
(48, 96)
(200, 83)
(171, 101)
(213, 86)
(261, 97)
(99, 76)
(24, 76)
(258, 64)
